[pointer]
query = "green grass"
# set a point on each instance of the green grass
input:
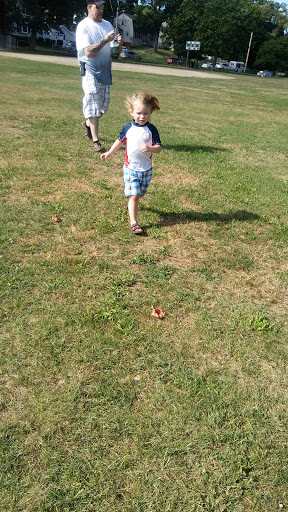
(103, 407)
(148, 56)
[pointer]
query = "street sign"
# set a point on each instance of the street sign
(193, 45)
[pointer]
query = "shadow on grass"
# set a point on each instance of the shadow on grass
(172, 218)
(193, 149)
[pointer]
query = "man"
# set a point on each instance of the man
(93, 38)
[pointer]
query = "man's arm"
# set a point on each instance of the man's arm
(93, 49)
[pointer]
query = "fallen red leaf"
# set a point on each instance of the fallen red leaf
(157, 312)
(55, 218)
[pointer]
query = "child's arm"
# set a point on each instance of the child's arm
(145, 148)
(117, 144)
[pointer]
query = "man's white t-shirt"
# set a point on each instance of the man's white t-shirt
(90, 32)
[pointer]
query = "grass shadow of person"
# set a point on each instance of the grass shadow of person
(173, 218)
(187, 148)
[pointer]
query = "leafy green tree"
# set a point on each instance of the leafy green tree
(265, 19)
(41, 15)
(181, 25)
(151, 14)
(273, 55)
(223, 29)
(9, 14)
(128, 6)
(224, 26)
(44, 14)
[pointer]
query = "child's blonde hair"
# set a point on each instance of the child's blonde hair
(142, 97)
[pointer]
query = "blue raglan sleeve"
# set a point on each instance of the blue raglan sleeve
(123, 133)
(155, 135)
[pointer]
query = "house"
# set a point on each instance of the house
(22, 32)
(53, 37)
(124, 24)
(69, 37)
(143, 38)
(60, 36)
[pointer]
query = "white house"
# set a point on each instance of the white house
(56, 37)
(62, 36)
(69, 37)
(124, 24)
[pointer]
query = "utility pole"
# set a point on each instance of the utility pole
(114, 43)
(248, 52)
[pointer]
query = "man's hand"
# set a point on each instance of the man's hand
(110, 36)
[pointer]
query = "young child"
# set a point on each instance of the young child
(142, 140)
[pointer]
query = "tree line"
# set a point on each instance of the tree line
(223, 27)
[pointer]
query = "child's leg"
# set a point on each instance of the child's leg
(133, 209)
(136, 185)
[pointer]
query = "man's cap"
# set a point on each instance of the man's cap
(98, 3)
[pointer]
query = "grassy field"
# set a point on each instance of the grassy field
(148, 56)
(103, 407)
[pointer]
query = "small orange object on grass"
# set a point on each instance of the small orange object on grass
(55, 218)
(158, 313)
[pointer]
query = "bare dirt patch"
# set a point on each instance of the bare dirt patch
(122, 66)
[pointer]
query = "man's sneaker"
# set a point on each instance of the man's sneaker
(87, 130)
(97, 146)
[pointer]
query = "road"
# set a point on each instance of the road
(123, 66)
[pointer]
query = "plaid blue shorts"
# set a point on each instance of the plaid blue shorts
(96, 97)
(136, 182)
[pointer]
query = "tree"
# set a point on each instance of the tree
(181, 26)
(9, 14)
(45, 14)
(42, 15)
(151, 14)
(222, 29)
(220, 26)
(265, 19)
(273, 55)
(128, 6)
(224, 26)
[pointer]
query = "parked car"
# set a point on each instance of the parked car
(207, 65)
(129, 55)
(264, 73)
(175, 61)
(237, 66)
(222, 65)
(69, 48)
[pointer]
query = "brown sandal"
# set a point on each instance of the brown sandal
(136, 229)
